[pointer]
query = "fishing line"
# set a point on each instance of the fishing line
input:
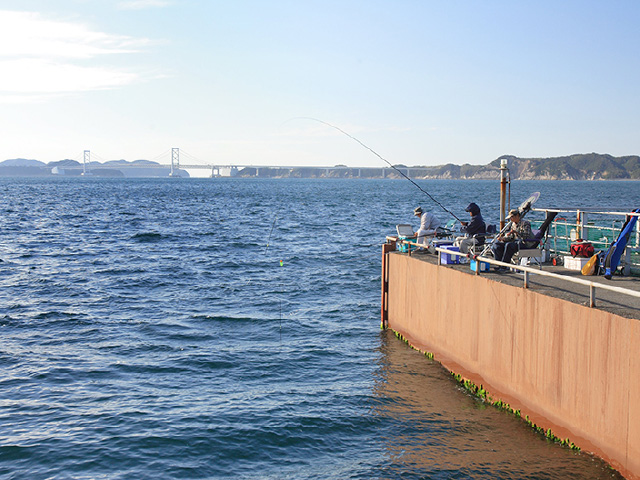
(281, 321)
(281, 262)
(268, 243)
(269, 239)
(383, 159)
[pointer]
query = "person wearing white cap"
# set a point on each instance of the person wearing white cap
(519, 236)
(429, 224)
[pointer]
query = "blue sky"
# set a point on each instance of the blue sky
(420, 82)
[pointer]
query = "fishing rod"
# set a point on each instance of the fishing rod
(384, 160)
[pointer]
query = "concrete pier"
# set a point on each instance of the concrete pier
(566, 366)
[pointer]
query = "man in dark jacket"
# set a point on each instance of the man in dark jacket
(475, 229)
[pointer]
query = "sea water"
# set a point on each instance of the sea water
(229, 328)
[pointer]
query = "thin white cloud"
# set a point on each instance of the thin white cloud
(40, 76)
(40, 56)
(142, 4)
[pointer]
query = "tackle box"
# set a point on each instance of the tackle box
(441, 243)
(484, 266)
(404, 247)
(447, 258)
(574, 263)
(405, 232)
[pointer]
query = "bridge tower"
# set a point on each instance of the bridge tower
(85, 161)
(175, 162)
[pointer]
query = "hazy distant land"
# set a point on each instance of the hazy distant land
(590, 166)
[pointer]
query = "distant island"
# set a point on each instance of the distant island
(23, 167)
(589, 166)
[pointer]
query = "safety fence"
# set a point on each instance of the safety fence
(524, 269)
(600, 228)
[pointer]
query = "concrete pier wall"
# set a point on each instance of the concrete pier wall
(568, 367)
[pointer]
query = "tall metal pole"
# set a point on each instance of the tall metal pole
(504, 180)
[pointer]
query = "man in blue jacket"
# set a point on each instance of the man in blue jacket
(475, 229)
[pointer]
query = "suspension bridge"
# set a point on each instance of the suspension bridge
(177, 161)
(166, 160)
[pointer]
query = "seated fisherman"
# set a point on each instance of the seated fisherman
(429, 224)
(475, 226)
(519, 236)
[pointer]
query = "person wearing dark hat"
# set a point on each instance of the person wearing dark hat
(518, 236)
(429, 224)
(475, 229)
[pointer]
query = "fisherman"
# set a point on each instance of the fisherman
(519, 236)
(475, 229)
(429, 224)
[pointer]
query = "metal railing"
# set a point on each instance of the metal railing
(525, 269)
(601, 228)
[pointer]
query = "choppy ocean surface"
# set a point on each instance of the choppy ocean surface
(229, 328)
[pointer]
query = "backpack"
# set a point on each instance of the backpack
(582, 249)
(592, 267)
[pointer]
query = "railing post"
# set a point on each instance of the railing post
(384, 310)
(504, 180)
(526, 279)
(592, 295)
(626, 270)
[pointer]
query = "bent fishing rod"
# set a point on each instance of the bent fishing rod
(383, 159)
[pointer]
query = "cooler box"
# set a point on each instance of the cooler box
(404, 232)
(448, 259)
(484, 266)
(404, 247)
(574, 263)
(441, 243)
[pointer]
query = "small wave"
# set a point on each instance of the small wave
(148, 237)
(222, 318)
(207, 364)
(53, 314)
(120, 271)
(146, 368)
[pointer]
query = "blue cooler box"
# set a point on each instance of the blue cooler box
(484, 266)
(441, 242)
(403, 247)
(447, 259)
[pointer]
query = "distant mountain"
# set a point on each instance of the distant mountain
(140, 163)
(586, 166)
(64, 163)
(590, 166)
(20, 167)
(451, 171)
(22, 162)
